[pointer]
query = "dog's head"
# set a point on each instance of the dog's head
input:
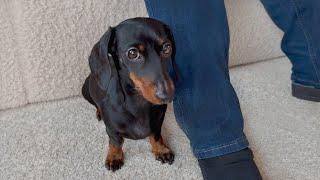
(144, 49)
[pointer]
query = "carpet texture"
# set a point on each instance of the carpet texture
(63, 139)
(45, 43)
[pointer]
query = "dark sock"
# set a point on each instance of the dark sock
(234, 166)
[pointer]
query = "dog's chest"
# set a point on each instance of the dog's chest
(132, 121)
(138, 107)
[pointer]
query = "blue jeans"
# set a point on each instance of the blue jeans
(206, 105)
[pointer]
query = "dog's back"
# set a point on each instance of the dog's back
(86, 93)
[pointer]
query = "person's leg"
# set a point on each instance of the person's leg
(206, 105)
(300, 21)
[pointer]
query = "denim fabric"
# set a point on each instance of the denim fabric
(206, 105)
(300, 21)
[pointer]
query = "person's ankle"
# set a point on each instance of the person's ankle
(305, 91)
(234, 166)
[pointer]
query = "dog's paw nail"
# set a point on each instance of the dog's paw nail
(114, 165)
(165, 157)
(170, 158)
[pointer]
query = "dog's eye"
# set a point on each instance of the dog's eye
(133, 54)
(166, 49)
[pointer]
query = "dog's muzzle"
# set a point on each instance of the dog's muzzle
(165, 91)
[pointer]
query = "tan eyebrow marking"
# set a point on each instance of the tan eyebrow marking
(141, 48)
(161, 41)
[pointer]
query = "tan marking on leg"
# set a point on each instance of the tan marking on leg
(115, 158)
(161, 151)
(158, 146)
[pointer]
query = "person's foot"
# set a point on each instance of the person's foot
(309, 93)
(235, 166)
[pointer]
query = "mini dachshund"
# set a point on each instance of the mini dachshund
(130, 85)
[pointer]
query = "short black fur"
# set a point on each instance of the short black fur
(112, 90)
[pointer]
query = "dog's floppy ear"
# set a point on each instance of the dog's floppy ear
(99, 58)
(170, 36)
(103, 67)
(174, 70)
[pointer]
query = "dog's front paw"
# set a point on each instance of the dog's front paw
(114, 164)
(161, 151)
(165, 157)
(115, 158)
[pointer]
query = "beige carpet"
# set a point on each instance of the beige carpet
(63, 140)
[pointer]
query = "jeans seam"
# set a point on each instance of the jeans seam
(233, 142)
(311, 54)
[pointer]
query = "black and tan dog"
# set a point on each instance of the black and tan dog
(130, 85)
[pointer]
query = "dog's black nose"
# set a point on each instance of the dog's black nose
(162, 95)
(162, 92)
